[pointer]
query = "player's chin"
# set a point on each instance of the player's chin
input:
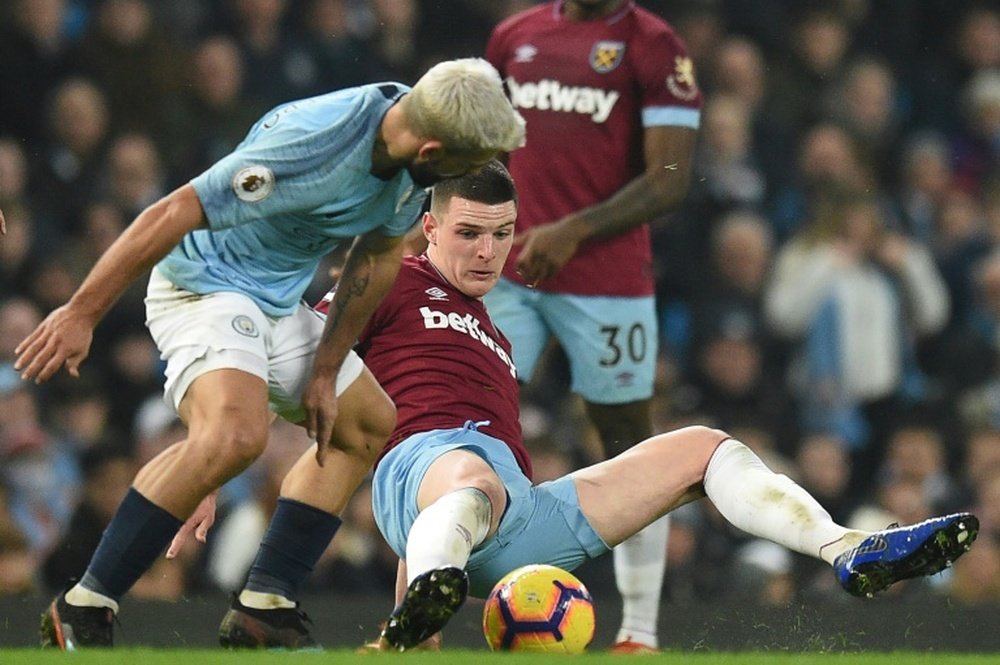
(477, 286)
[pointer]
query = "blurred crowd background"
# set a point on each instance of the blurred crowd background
(829, 293)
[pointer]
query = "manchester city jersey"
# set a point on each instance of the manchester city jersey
(298, 185)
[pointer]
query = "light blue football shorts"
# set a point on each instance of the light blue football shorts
(542, 524)
(611, 342)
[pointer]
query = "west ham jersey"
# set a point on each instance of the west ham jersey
(587, 89)
(437, 354)
(298, 185)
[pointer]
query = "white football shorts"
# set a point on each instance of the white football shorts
(197, 334)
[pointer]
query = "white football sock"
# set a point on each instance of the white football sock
(82, 597)
(769, 505)
(639, 567)
(445, 532)
(260, 600)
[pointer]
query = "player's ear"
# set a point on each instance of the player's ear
(430, 150)
(430, 226)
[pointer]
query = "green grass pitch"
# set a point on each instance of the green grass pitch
(459, 657)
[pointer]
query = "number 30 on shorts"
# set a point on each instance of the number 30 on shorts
(633, 343)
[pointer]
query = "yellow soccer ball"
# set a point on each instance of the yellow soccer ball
(539, 608)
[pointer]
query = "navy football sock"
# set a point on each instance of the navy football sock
(138, 533)
(296, 538)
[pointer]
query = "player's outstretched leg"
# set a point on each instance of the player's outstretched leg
(280, 628)
(898, 553)
(70, 626)
(431, 600)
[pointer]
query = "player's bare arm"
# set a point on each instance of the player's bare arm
(669, 153)
(64, 337)
(369, 272)
(415, 243)
(3, 224)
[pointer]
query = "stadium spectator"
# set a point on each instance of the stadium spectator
(812, 63)
(133, 176)
(976, 149)
(18, 250)
(13, 172)
(827, 159)
(234, 251)
(267, 50)
(213, 112)
(977, 581)
(728, 381)
(854, 296)
(40, 471)
(33, 50)
(18, 317)
(925, 179)
(17, 562)
(865, 102)
(726, 174)
(737, 69)
(107, 472)
(336, 52)
(133, 62)
(917, 451)
(592, 178)
(68, 166)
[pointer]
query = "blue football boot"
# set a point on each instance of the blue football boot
(899, 553)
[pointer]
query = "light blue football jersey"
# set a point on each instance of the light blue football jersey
(298, 185)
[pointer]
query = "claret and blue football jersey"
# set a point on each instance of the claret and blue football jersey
(587, 90)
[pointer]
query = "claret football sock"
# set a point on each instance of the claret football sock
(445, 532)
(769, 505)
(296, 538)
(639, 568)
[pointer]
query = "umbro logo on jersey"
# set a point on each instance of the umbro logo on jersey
(437, 294)
(525, 53)
(549, 95)
(624, 379)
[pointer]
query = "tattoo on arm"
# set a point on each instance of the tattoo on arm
(345, 294)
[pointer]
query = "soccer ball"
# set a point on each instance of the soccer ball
(539, 608)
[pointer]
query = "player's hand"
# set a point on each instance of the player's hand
(545, 250)
(3, 224)
(63, 338)
(199, 523)
(320, 403)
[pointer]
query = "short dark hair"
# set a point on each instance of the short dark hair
(491, 184)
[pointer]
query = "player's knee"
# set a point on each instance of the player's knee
(233, 445)
(694, 441)
(703, 439)
(470, 471)
(490, 485)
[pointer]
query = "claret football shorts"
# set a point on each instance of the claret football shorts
(197, 334)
